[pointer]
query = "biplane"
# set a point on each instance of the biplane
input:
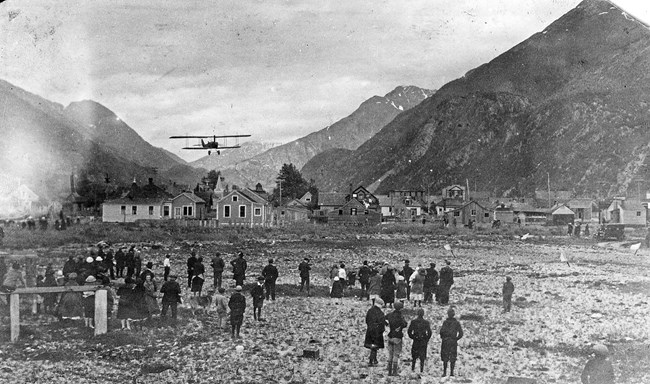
(213, 144)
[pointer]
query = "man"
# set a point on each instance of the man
(420, 331)
(120, 262)
(108, 260)
(237, 305)
(257, 294)
(130, 261)
(431, 284)
(70, 266)
(137, 262)
(364, 278)
(221, 305)
(376, 322)
(148, 270)
(218, 265)
(304, 269)
(239, 266)
(171, 291)
(190, 268)
(598, 370)
(450, 333)
(270, 274)
(407, 271)
(396, 323)
(446, 281)
(168, 267)
(508, 290)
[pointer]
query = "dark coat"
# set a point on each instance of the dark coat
(432, 278)
(239, 266)
(376, 321)
(126, 304)
(420, 331)
(237, 305)
(450, 333)
(120, 258)
(508, 289)
(337, 290)
(407, 271)
(396, 323)
(270, 273)
(171, 291)
(446, 277)
(388, 285)
(364, 274)
(218, 264)
(598, 370)
(258, 294)
(304, 269)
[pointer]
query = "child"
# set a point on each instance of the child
(401, 292)
(258, 298)
(508, 290)
(221, 306)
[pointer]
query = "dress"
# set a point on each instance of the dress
(388, 287)
(151, 297)
(417, 285)
(126, 303)
(450, 333)
(375, 321)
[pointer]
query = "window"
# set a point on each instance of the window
(150, 210)
(473, 212)
(486, 215)
(353, 211)
(242, 211)
(457, 213)
(166, 211)
(340, 211)
(638, 213)
(187, 210)
(226, 211)
(134, 210)
(258, 211)
(177, 212)
(235, 198)
(123, 209)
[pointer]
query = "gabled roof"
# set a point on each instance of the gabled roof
(386, 201)
(334, 199)
(469, 203)
(253, 196)
(561, 210)
(136, 201)
(190, 196)
(580, 203)
(295, 203)
(353, 203)
(632, 205)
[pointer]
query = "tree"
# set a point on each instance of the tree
(293, 184)
(213, 178)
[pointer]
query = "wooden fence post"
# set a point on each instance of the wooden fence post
(101, 312)
(14, 314)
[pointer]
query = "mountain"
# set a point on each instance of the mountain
(347, 133)
(229, 158)
(569, 105)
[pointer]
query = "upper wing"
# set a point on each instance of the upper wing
(227, 136)
(201, 148)
(190, 137)
(236, 146)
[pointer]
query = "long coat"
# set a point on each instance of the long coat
(376, 321)
(420, 331)
(450, 333)
(237, 305)
(71, 303)
(417, 284)
(374, 286)
(388, 284)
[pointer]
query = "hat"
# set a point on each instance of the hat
(98, 258)
(89, 259)
(379, 301)
(508, 278)
(601, 350)
(72, 276)
(260, 278)
(306, 258)
(407, 261)
(238, 288)
(270, 261)
(172, 276)
(336, 278)
(90, 279)
(400, 278)
(59, 273)
(149, 264)
(399, 305)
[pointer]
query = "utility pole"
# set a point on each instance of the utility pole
(548, 185)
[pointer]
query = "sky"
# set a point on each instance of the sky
(275, 69)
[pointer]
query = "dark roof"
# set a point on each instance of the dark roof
(335, 199)
(136, 201)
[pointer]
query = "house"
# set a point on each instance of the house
(307, 199)
(561, 215)
(471, 210)
(627, 211)
(291, 212)
(404, 204)
(526, 214)
(504, 214)
(244, 207)
(186, 205)
(454, 192)
(354, 212)
(128, 210)
(328, 201)
(586, 210)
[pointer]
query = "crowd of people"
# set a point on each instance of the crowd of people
(138, 291)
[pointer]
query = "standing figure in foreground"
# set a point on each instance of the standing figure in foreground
(375, 321)
(598, 370)
(450, 333)
(508, 290)
(239, 266)
(446, 281)
(420, 331)
(221, 304)
(237, 305)
(218, 266)
(270, 273)
(374, 286)
(364, 278)
(199, 277)
(190, 268)
(417, 286)
(171, 292)
(396, 324)
(406, 272)
(257, 294)
(304, 269)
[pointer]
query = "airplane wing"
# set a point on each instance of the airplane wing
(227, 136)
(201, 148)
(236, 146)
(190, 137)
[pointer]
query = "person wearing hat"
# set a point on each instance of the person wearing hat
(508, 290)
(364, 279)
(13, 279)
(108, 261)
(69, 266)
(450, 333)
(221, 306)
(190, 267)
(167, 265)
(406, 272)
(446, 281)
(388, 285)
(375, 322)
(598, 369)
(396, 324)
(237, 305)
(401, 289)
(257, 294)
(120, 262)
(148, 270)
(420, 331)
(199, 277)
(89, 302)
(171, 292)
(270, 273)
(218, 265)
(431, 284)
(126, 308)
(239, 266)
(304, 269)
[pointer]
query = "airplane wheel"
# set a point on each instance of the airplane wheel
(209, 152)
(218, 152)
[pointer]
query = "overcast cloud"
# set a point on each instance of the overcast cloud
(275, 69)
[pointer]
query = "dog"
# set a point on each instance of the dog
(197, 303)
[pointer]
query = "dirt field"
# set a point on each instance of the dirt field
(560, 310)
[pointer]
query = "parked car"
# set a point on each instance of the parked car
(610, 232)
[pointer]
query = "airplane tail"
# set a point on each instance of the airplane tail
(202, 143)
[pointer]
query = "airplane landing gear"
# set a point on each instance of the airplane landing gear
(218, 152)
(209, 152)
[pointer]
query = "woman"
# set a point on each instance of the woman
(337, 290)
(89, 303)
(151, 296)
(199, 277)
(140, 301)
(71, 304)
(126, 304)
(388, 284)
